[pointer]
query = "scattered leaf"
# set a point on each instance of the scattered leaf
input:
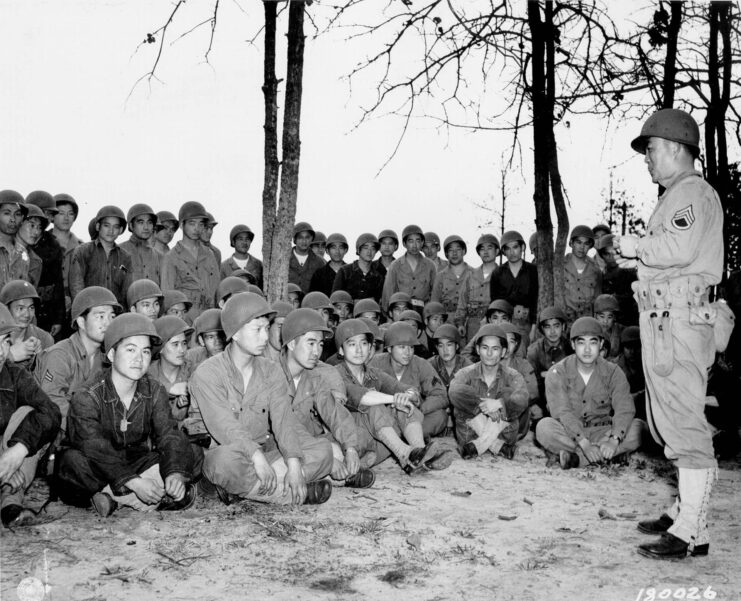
(606, 515)
(528, 501)
(464, 493)
(507, 518)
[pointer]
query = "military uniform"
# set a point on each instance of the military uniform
(51, 310)
(542, 356)
(520, 291)
(92, 267)
(359, 285)
(580, 289)
(447, 377)
(252, 266)
(323, 279)
(14, 263)
(183, 375)
(417, 284)
(31, 330)
(447, 289)
(473, 301)
(145, 260)
(196, 277)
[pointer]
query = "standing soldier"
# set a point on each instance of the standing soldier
(145, 260)
(67, 211)
(678, 260)
(240, 238)
(164, 229)
(582, 277)
(431, 248)
(190, 266)
(303, 262)
(101, 262)
(14, 261)
(323, 278)
(475, 294)
(451, 279)
(388, 244)
(319, 244)
(364, 277)
(207, 233)
(29, 233)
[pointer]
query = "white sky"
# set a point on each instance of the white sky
(67, 69)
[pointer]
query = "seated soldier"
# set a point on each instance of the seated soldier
(125, 448)
(434, 315)
(319, 404)
(398, 303)
(294, 294)
(175, 303)
(546, 352)
(416, 374)
(385, 404)
(367, 308)
(145, 297)
(319, 302)
(227, 287)
(498, 312)
(274, 345)
(519, 364)
(364, 277)
(29, 421)
(490, 400)
(606, 310)
(414, 319)
(591, 407)
(209, 337)
(27, 340)
(259, 449)
(447, 361)
(170, 367)
(342, 303)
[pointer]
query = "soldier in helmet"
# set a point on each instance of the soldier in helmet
(367, 308)
(175, 303)
(145, 297)
(29, 421)
(452, 278)
(343, 305)
(364, 277)
(319, 244)
(498, 312)
(29, 233)
(447, 360)
(191, 266)
(275, 342)
(14, 260)
(240, 238)
(519, 363)
(606, 310)
(324, 277)
(145, 259)
(294, 294)
(413, 273)
(630, 360)
(431, 248)
(261, 450)
(582, 277)
(51, 314)
(102, 262)
(592, 412)
(207, 234)
(303, 262)
(678, 259)
(320, 303)
(170, 364)
(228, 287)
(125, 447)
(28, 340)
(618, 280)
(164, 231)
(208, 335)
(67, 211)
(475, 294)
(388, 244)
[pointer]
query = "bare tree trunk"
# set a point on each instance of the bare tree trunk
(554, 173)
(291, 147)
(670, 62)
(541, 121)
(711, 159)
(272, 165)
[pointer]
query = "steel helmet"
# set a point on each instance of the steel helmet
(670, 124)
(61, 199)
(552, 313)
(35, 212)
(138, 210)
(281, 308)
(400, 333)
(92, 229)
(499, 305)
(230, 285)
(399, 297)
(192, 210)
(630, 335)
(340, 296)
(7, 323)
(126, 325)
(366, 238)
(388, 234)
(301, 321)
(208, 321)
(490, 329)
(412, 315)
(338, 239)
(512, 236)
(317, 300)
(141, 289)
(319, 238)
(582, 231)
(601, 227)
(110, 211)
(365, 305)
(210, 220)
(375, 330)
(412, 229)
(174, 297)
(484, 238)
(349, 328)
(241, 309)
(11, 197)
(510, 328)
(434, 308)
(533, 241)
(303, 226)
(255, 289)
(168, 326)
(449, 332)
(606, 302)
(454, 238)
(164, 216)
(16, 290)
(43, 200)
(240, 229)
(586, 326)
(245, 275)
(92, 296)
(431, 238)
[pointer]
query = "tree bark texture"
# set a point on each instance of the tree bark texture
(670, 62)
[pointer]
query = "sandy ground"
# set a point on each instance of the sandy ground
(483, 529)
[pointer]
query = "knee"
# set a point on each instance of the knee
(546, 429)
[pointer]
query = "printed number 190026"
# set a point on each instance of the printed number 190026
(691, 592)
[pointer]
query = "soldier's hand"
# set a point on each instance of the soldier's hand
(20, 351)
(295, 482)
(608, 448)
(34, 343)
(147, 490)
(16, 482)
(491, 408)
(352, 461)
(402, 402)
(591, 451)
(265, 474)
(175, 486)
(627, 246)
(55, 329)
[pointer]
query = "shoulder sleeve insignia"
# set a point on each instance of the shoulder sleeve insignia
(48, 377)
(684, 218)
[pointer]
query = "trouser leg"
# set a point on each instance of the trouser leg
(130, 499)
(434, 423)
(27, 467)
(691, 523)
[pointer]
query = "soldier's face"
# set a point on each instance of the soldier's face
(23, 311)
(586, 349)
(294, 299)
(149, 307)
(397, 310)
(303, 241)
(661, 159)
(242, 243)
(355, 350)
(213, 342)
(131, 358)
(372, 315)
(96, 322)
(414, 243)
(11, 218)
(609, 256)
(488, 252)
(252, 337)
(446, 349)
(173, 352)
(513, 342)
(499, 317)
(552, 330)
(606, 319)
(580, 245)
(109, 228)
(344, 310)
(166, 232)
(490, 350)
(307, 349)
(207, 232)
(193, 228)
(319, 248)
(178, 310)
(30, 231)
(142, 227)
(513, 251)
(455, 253)
(337, 252)
(367, 252)
(430, 249)
(388, 246)
(434, 322)
(402, 353)
(65, 218)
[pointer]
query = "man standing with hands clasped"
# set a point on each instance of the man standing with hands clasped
(678, 259)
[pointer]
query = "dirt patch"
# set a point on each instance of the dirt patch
(483, 529)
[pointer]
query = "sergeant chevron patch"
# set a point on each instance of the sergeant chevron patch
(684, 218)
